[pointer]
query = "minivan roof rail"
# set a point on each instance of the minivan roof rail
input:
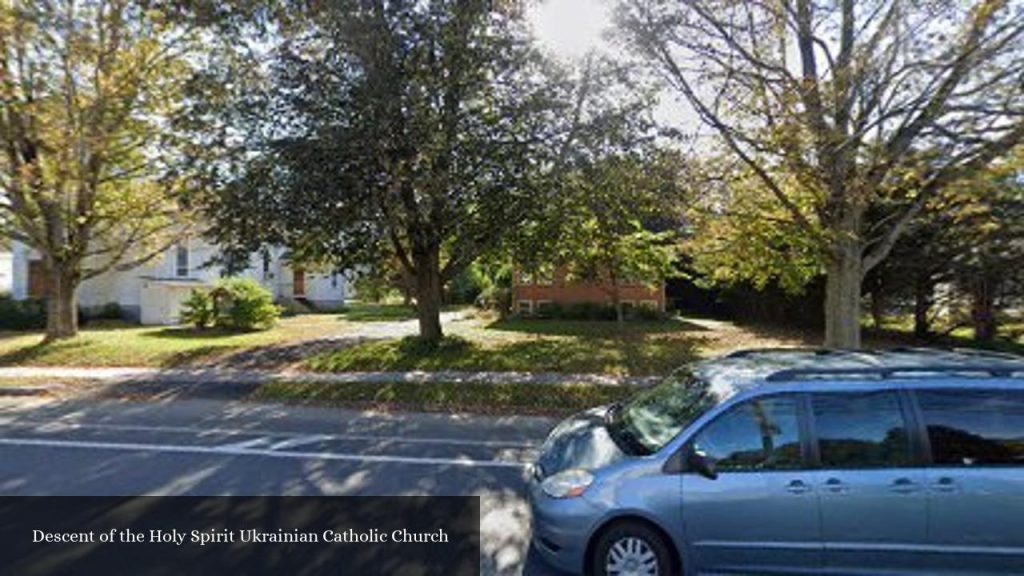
(976, 352)
(781, 349)
(882, 372)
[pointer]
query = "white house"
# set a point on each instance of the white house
(6, 272)
(153, 293)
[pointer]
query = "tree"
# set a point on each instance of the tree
(414, 131)
(614, 221)
(844, 103)
(87, 170)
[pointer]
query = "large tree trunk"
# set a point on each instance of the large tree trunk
(842, 297)
(983, 310)
(62, 303)
(923, 298)
(428, 292)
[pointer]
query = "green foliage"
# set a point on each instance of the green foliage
(92, 164)
(199, 309)
(22, 314)
(243, 304)
(615, 221)
(236, 304)
(740, 234)
(415, 134)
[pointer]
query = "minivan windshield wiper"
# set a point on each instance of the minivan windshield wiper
(623, 436)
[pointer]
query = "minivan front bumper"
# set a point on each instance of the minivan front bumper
(562, 527)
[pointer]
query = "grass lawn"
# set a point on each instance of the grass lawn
(632, 348)
(119, 344)
(449, 396)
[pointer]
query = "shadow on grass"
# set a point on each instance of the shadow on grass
(188, 333)
(594, 328)
(379, 313)
(32, 353)
(242, 357)
(629, 356)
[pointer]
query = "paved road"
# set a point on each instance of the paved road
(207, 447)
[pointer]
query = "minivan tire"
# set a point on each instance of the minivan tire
(631, 537)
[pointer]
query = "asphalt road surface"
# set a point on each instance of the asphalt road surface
(206, 447)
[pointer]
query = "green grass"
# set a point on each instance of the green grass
(119, 344)
(631, 348)
(449, 396)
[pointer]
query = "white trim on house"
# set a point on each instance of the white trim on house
(153, 293)
(6, 272)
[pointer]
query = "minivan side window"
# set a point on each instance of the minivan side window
(761, 434)
(861, 430)
(974, 427)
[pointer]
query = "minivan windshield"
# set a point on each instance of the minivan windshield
(655, 416)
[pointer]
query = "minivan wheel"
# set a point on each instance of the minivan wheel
(631, 549)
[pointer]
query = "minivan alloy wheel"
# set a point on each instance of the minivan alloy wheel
(631, 556)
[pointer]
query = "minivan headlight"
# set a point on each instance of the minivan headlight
(567, 484)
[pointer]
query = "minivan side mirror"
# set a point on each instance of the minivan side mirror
(700, 463)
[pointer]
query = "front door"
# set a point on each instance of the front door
(761, 514)
(298, 282)
(872, 491)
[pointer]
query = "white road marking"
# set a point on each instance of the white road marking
(247, 443)
(299, 441)
(230, 450)
(56, 426)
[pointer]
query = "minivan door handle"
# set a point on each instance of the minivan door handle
(798, 487)
(835, 485)
(944, 484)
(903, 486)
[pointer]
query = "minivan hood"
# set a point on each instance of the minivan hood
(580, 441)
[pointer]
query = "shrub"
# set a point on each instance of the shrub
(243, 304)
(199, 309)
(22, 314)
(233, 304)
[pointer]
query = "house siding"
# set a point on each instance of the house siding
(153, 292)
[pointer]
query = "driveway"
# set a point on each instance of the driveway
(208, 447)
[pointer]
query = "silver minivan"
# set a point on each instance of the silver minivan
(907, 461)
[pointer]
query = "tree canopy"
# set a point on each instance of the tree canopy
(831, 108)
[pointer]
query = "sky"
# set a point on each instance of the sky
(569, 28)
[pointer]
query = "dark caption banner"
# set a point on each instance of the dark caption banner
(290, 536)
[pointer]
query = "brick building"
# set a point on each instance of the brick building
(532, 293)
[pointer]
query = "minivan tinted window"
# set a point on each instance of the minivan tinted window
(861, 430)
(762, 434)
(974, 427)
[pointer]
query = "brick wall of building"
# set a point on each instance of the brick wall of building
(528, 293)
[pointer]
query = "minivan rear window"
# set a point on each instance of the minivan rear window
(974, 427)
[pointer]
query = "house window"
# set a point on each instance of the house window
(544, 307)
(334, 280)
(181, 261)
(627, 307)
(525, 307)
(649, 304)
(266, 266)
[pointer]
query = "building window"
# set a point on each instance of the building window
(525, 307)
(181, 261)
(334, 280)
(266, 266)
(649, 304)
(545, 307)
(627, 306)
